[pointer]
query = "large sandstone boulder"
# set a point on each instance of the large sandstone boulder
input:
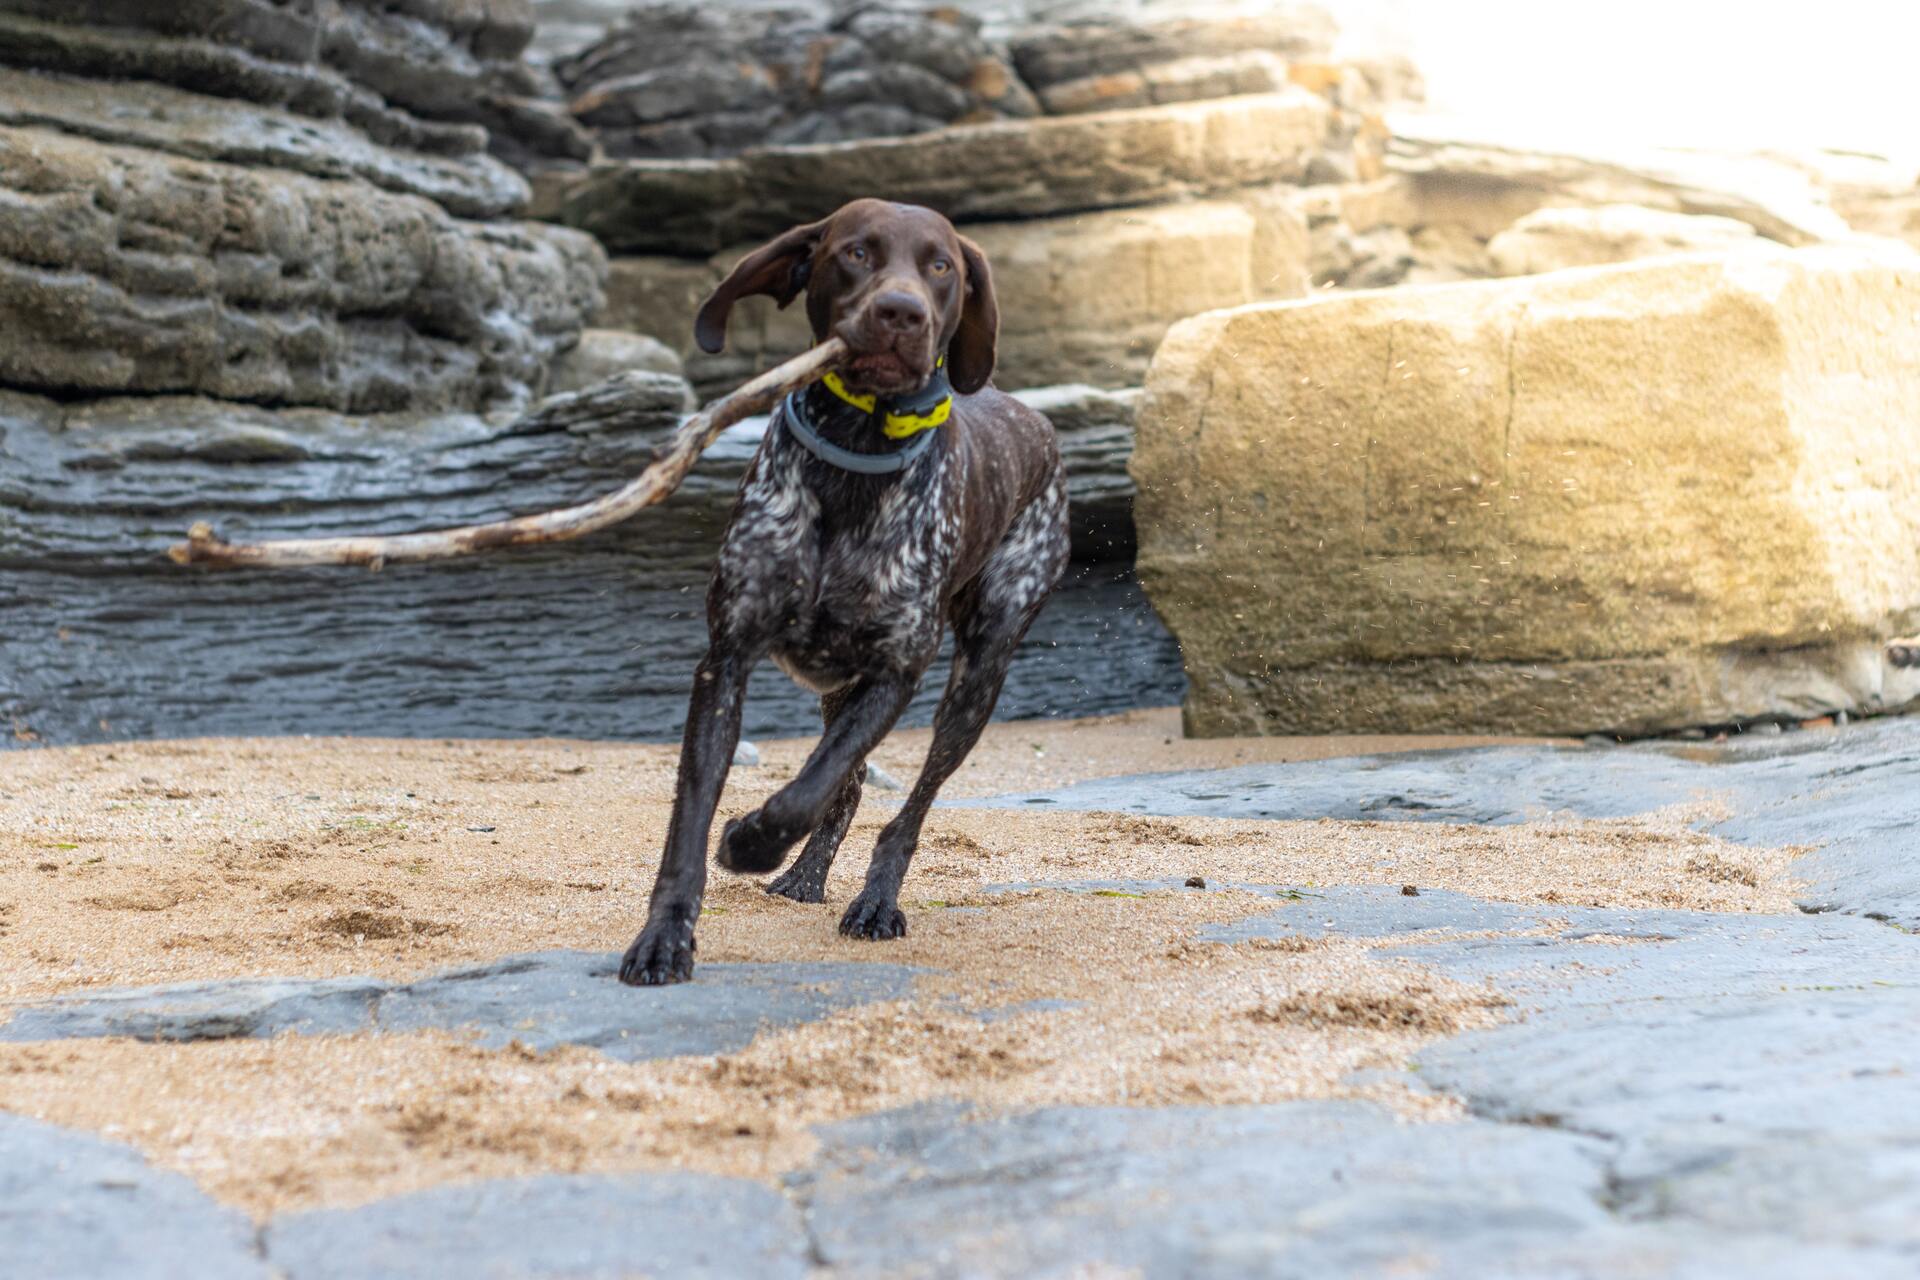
(1012, 169)
(1084, 298)
(1623, 499)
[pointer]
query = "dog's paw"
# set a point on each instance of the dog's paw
(801, 884)
(873, 917)
(662, 954)
(751, 845)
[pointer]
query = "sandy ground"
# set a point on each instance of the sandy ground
(165, 862)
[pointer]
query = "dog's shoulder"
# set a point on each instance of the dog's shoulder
(991, 409)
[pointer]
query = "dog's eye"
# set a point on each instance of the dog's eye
(856, 253)
(940, 266)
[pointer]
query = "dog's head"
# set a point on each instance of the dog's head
(896, 282)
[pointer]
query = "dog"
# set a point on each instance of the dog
(900, 496)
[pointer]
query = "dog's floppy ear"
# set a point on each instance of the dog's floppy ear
(778, 269)
(970, 358)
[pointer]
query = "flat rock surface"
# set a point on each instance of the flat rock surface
(582, 1227)
(1666, 1092)
(1309, 1189)
(72, 1204)
(542, 1000)
(1846, 793)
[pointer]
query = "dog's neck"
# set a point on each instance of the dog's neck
(865, 434)
(847, 425)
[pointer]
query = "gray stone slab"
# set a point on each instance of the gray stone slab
(1745, 1075)
(543, 999)
(1753, 1074)
(1795, 1112)
(1324, 1189)
(1849, 792)
(552, 998)
(1682, 955)
(579, 1227)
(72, 1204)
(245, 1008)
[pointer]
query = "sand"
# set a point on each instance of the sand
(166, 862)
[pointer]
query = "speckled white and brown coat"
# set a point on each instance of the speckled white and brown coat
(847, 581)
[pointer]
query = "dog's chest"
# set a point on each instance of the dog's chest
(845, 576)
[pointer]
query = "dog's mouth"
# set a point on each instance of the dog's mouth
(883, 373)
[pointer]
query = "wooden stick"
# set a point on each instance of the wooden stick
(204, 546)
(1904, 653)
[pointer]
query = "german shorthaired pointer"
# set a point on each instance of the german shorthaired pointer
(899, 496)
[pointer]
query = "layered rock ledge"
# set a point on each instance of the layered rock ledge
(972, 173)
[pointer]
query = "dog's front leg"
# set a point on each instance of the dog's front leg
(663, 952)
(758, 842)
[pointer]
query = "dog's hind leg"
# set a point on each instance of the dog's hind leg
(989, 622)
(806, 879)
(759, 842)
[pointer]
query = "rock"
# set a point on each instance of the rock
(468, 184)
(284, 205)
(604, 353)
(1840, 795)
(1333, 1189)
(678, 81)
(697, 87)
(78, 473)
(880, 778)
(1595, 501)
(581, 1226)
(1095, 431)
(1056, 54)
(745, 754)
(1486, 183)
(411, 66)
(271, 287)
(1181, 80)
(244, 1008)
(1088, 298)
(105, 639)
(1083, 299)
(1011, 169)
(1709, 1058)
(1877, 196)
(1552, 239)
(74, 1204)
(567, 997)
(542, 1000)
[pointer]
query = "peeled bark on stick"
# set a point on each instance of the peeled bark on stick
(204, 546)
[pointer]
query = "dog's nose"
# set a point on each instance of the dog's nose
(900, 313)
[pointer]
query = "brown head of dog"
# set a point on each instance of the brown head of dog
(896, 282)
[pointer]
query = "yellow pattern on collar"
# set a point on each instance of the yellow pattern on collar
(863, 403)
(898, 426)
